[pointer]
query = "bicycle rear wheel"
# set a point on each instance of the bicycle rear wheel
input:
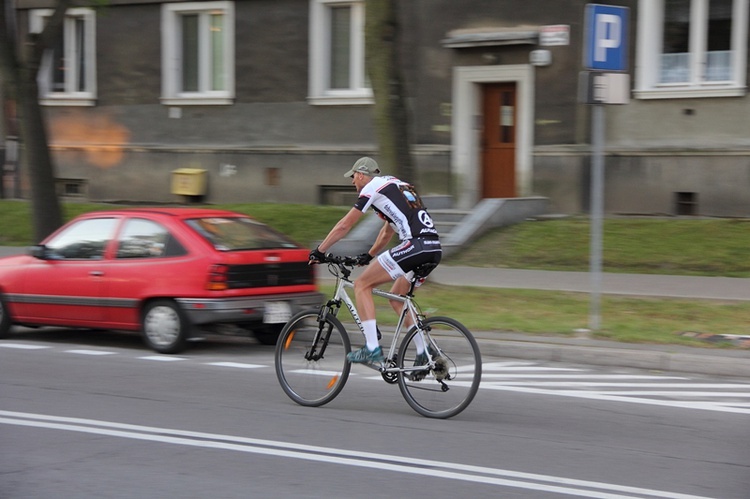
(310, 358)
(451, 385)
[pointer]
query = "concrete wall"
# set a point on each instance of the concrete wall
(717, 183)
(287, 175)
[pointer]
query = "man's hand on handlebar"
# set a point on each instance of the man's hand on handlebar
(363, 259)
(317, 256)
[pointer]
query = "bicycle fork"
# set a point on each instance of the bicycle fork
(323, 334)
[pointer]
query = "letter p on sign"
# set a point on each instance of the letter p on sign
(607, 31)
(606, 37)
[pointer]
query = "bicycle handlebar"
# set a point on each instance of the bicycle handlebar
(342, 261)
(340, 266)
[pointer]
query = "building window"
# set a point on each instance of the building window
(337, 53)
(691, 48)
(197, 53)
(68, 72)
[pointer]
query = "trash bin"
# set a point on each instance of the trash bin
(189, 181)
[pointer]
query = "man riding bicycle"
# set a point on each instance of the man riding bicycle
(398, 203)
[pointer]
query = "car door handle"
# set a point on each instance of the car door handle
(96, 273)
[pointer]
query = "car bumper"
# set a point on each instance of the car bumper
(239, 310)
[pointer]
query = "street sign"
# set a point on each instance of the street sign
(600, 87)
(606, 46)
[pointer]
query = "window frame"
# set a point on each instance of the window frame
(132, 234)
(319, 90)
(649, 46)
(55, 244)
(172, 60)
(69, 97)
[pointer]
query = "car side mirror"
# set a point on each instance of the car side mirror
(39, 251)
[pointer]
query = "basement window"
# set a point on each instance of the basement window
(686, 203)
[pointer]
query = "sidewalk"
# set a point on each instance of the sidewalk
(665, 286)
(586, 350)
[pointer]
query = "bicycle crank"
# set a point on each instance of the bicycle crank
(390, 372)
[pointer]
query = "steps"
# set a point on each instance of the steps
(456, 227)
(448, 219)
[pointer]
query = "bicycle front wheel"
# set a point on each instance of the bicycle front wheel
(310, 358)
(449, 387)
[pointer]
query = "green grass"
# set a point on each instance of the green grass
(706, 247)
(564, 314)
(711, 247)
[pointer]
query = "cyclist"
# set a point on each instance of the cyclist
(398, 203)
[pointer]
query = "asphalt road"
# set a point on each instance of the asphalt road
(96, 414)
(734, 362)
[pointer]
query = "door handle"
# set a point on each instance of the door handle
(96, 273)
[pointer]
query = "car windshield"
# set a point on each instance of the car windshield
(238, 233)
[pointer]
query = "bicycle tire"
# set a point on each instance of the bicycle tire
(450, 387)
(312, 382)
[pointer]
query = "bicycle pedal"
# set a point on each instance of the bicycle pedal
(377, 366)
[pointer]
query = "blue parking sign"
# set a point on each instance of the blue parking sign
(606, 46)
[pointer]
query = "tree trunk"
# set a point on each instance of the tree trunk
(383, 68)
(20, 71)
(36, 158)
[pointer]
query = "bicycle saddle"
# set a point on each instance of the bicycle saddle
(422, 271)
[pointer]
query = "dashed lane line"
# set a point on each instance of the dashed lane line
(90, 352)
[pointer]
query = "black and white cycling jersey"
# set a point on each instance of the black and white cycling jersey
(398, 202)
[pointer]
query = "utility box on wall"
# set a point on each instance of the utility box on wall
(189, 181)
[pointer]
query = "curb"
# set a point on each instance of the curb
(729, 363)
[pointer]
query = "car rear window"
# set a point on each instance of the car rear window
(237, 233)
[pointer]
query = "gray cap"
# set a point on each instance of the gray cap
(365, 165)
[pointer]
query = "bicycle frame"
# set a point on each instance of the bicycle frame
(408, 309)
(435, 382)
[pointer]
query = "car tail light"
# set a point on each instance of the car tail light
(217, 278)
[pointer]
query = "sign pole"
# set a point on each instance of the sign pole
(605, 58)
(597, 214)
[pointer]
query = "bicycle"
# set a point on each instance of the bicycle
(312, 367)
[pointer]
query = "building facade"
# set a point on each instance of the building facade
(268, 100)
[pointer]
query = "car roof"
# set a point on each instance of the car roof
(180, 212)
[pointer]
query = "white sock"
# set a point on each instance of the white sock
(419, 343)
(371, 334)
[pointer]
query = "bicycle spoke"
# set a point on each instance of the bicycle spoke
(311, 367)
(451, 383)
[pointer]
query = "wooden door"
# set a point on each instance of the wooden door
(499, 141)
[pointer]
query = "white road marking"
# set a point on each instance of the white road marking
(329, 455)
(680, 394)
(575, 376)
(23, 346)
(706, 406)
(238, 365)
(90, 352)
(586, 384)
(162, 358)
(318, 373)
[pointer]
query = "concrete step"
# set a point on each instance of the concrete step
(449, 215)
(445, 228)
(456, 227)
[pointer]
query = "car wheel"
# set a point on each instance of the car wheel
(4, 319)
(267, 335)
(165, 327)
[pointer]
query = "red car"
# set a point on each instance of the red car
(166, 272)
